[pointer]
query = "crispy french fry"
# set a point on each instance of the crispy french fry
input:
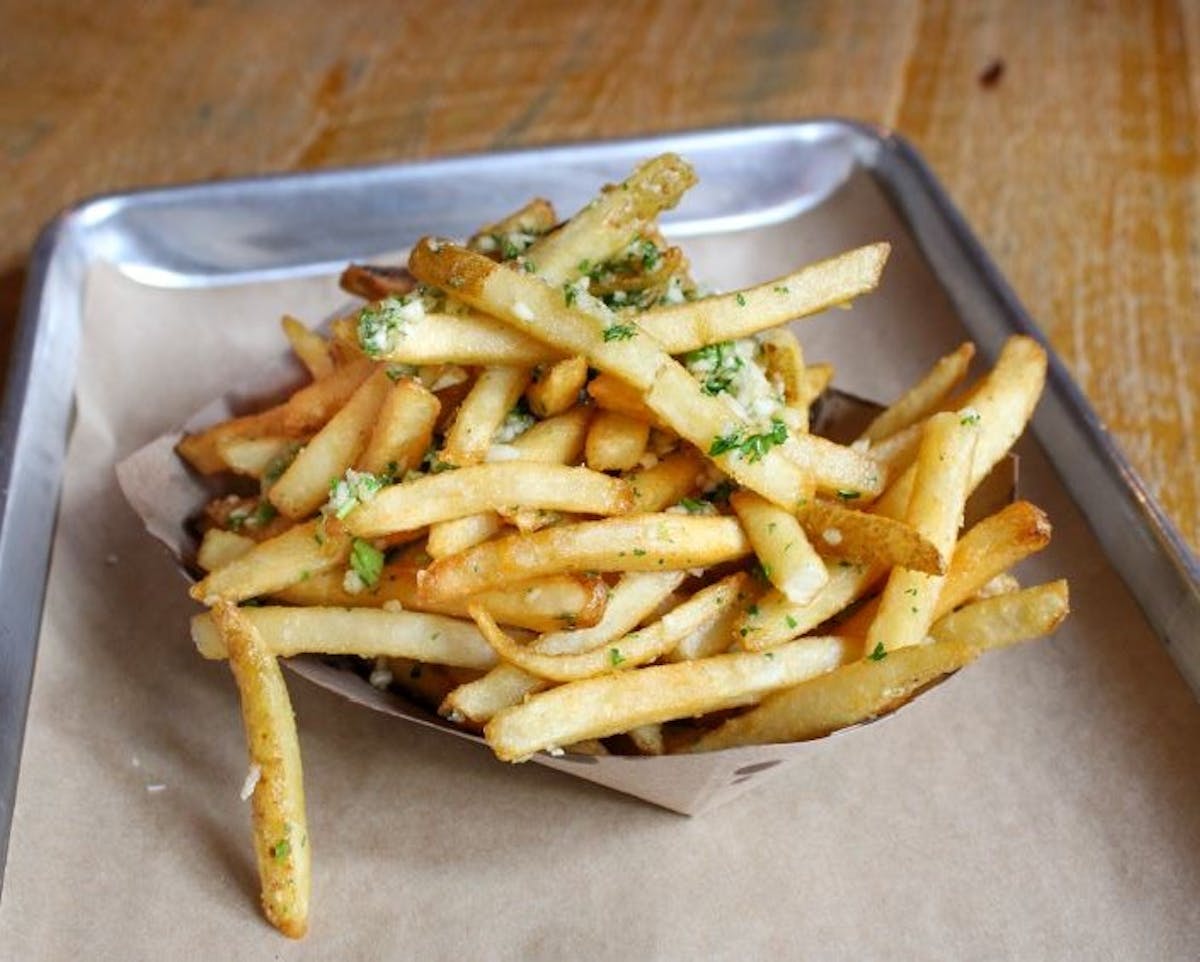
(304, 486)
(785, 362)
(305, 411)
(470, 339)
(936, 510)
(648, 739)
(219, 547)
(450, 537)
(773, 620)
(402, 430)
(615, 442)
(634, 649)
(612, 394)
(373, 282)
(783, 550)
(843, 533)
(503, 686)
(1001, 406)
(924, 397)
(368, 632)
(271, 566)
(685, 327)
(666, 483)
(1008, 618)
(255, 457)
(556, 387)
(308, 346)
(528, 222)
(1003, 584)
(648, 542)
(557, 440)
(846, 696)
(713, 638)
(616, 702)
(482, 412)
(277, 804)
(486, 487)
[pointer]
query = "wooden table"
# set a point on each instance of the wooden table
(1066, 131)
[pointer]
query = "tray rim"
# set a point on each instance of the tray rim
(73, 241)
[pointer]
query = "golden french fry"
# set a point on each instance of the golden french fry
(1001, 407)
(270, 566)
(486, 487)
(1008, 618)
(308, 346)
(304, 486)
(482, 412)
(846, 696)
(219, 547)
(647, 542)
(1003, 584)
(513, 233)
(616, 702)
(773, 620)
(897, 451)
(936, 510)
(785, 362)
(846, 534)
(685, 327)
(667, 482)
(451, 537)
(369, 632)
(713, 638)
(277, 803)
(372, 282)
(557, 440)
(255, 457)
(615, 442)
(402, 431)
(470, 339)
(648, 739)
(503, 686)
(628, 652)
(305, 411)
(556, 387)
(787, 558)
(924, 397)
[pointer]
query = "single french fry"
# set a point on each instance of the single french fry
(372, 282)
(785, 362)
(254, 457)
(846, 696)
(630, 651)
(647, 542)
(667, 483)
(270, 566)
(527, 222)
(936, 510)
(219, 547)
(618, 701)
(1007, 619)
(612, 394)
(685, 327)
(450, 537)
(1001, 406)
(1003, 584)
(713, 638)
(615, 442)
(486, 487)
(773, 620)
(402, 431)
(612, 220)
(841, 532)
(836, 469)
(556, 387)
(469, 339)
(648, 739)
(369, 632)
(817, 377)
(304, 486)
(897, 451)
(557, 440)
(924, 397)
(305, 411)
(277, 804)
(783, 549)
(309, 346)
(482, 412)
(503, 686)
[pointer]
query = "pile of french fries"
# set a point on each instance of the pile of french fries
(544, 484)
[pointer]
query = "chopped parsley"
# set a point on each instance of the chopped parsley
(741, 299)
(619, 332)
(397, 371)
(752, 447)
(639, 552)
(367, 561)
(849, 495)
(970, 416)
(348, 492)
(790, 621)
(615, 657)
(695, 505)
(781, 288)
(879, 653)
(381, 324)
(281, 850)
(716, 366)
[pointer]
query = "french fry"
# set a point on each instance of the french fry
(254, 457)
(685, 327)
(503, 686)
(482, 412)
(783, 550)
(300, 552)
(666, 483)
(556, 387)
(1007, 619)
(648, 739)
(305, 411)
(368, 632)
(615, 442)
(612, 394)
(785, 362)
(773, 620)
(648, 542)
(450, 537)
(846, 696)
(470, 339)
(1003, 584)
(373, 282)
(634, 649)
(924, 397)
(843, 533)
(530, 220)
(402, 431)
(714, 638)
(486, 487)
(943, 472)
(219, 547)
(618, 701)
(1001, 406)
(304, 486)
(277, 803)
(308, 346)
(556, 440)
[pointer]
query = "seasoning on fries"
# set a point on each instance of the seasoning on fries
(590, 498)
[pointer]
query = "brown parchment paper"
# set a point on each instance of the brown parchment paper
(1043, 804)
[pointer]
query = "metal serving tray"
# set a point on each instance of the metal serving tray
(295, 225)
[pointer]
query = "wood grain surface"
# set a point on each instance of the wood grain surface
(1066, 131)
